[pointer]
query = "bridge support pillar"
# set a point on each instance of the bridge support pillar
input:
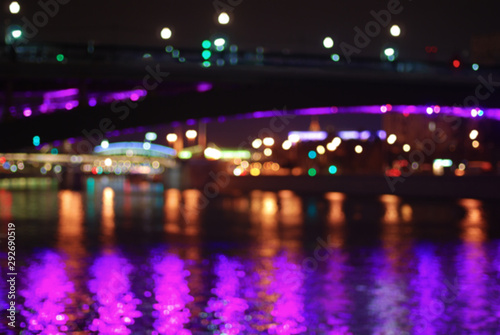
(82, 95)
(5, 116)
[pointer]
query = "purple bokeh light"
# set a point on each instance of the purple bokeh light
(46, 295)
(172, 294)
(228, 306)
(115, 303)
(288, 311)
(27, 112)
(204, 87)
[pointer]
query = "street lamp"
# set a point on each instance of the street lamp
(166, 33)
(191, 134)
(14, 7)
(171, 138)
(223, 18)
(268, 141)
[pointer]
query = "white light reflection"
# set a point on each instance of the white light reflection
(191, 209)
(263, 216)
(108, 216)
(172, 214)
(474, 224)
(291, 213)
(474, 294)
(391, 203)
(336, 218)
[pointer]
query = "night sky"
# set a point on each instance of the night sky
(277, 26)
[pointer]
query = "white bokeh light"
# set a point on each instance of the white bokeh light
(328, 42)
(166, 33)
(395, 30)
(223, 18)
(219, 42)
(14, 7)
(389, 52)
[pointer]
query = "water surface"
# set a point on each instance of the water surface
(137, 259)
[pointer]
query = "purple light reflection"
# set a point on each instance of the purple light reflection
(428, 284)
(172, 294)
(473, 289)
(288, 311)
(204, 87)
(336, 300)
(227, 307)
(46, 294)
(27, 112)
(115, 302)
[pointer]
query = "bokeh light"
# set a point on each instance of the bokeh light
(328, 42)
(391, 139)
(172, 137)
(268, 141)
(320, 149)
(14, 7)
(191, 134)
(257, 143)
(395, 30)
(223, 18)
(166, 33)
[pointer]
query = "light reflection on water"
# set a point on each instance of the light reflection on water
(115, 261)
(227, 308)
(115, 304)
(46, 295)
(172, 295)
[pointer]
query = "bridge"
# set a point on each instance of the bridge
(178, 85)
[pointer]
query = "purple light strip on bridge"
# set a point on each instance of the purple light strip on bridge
(465, 112)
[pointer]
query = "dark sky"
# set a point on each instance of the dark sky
(276, 25)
